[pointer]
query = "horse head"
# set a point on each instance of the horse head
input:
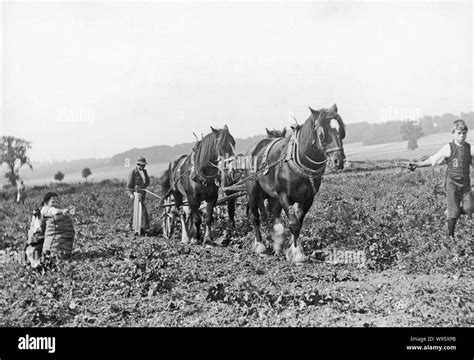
(276, 133)
(329, 130)
(225, 142)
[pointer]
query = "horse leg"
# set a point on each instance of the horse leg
(295, 251)
(231, 221)
(184, 227)
(183, 214)
(209, 211)
(278, 234)
(195, 222)
(262, 209)
(253, 191)
(231, 213)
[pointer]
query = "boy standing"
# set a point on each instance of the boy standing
(457, 154)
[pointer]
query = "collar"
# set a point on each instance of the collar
(293, 159)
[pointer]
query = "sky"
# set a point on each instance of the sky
(92, 79)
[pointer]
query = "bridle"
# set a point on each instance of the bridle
(321, 145)
(325, 150)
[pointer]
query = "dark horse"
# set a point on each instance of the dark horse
(196, 177)
(233, 171)
(289, 172)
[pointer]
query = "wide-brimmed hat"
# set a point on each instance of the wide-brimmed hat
(141, 160)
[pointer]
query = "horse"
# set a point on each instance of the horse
(232, 172)
(196, 177)
(288, 172)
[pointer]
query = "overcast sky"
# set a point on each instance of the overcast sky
(93, 79)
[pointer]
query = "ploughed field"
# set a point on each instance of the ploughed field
(376, 242)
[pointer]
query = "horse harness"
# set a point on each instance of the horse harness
(294, 162)
(267, 151)
(198, 176)
(292, 157)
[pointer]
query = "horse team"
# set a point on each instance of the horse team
(286, 169)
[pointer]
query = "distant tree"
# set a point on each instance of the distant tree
(86, 172)
(13, 153)
(411, 133)
(59, 176)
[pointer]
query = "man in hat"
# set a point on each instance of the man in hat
(139, 177)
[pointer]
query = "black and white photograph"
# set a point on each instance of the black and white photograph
(237, 164)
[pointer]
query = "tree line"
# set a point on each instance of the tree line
(13, 151)
(393, 131)
(367, 133)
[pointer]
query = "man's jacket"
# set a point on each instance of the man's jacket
(135, 179)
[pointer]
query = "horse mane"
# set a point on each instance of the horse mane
(306, 130)
(205, 151)
(225, 138)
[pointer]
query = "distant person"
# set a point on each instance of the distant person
(459, 158)
(139, 177)
(59, 229)
(21, 193)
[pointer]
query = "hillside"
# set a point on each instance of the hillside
(165, 153)
(427, 145)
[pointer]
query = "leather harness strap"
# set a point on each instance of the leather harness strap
(267, 150)
(293, 159)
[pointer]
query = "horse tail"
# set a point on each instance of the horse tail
(165, 183)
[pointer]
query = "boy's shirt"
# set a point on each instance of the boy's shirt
(443, 154)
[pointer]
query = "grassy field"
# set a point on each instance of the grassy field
(410, 273)
(427, 146)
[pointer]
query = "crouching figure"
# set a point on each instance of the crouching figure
(58, 227)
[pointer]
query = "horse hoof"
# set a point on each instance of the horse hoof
(194, 242)
(225, 242)
(297, 259)
(277, 248)
(259, 248)
(210, 244)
